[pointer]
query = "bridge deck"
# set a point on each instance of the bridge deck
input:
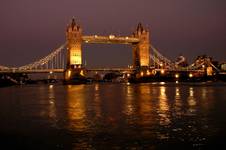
(111, 39)
(32, 71)
(62, 70)
(89, 70)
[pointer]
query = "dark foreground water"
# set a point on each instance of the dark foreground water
(114, 116)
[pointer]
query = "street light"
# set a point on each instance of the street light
(111, 36)
(162, 71)
(142, 73)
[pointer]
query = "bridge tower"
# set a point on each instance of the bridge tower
(74, 68)
(141, 50)
(74, 45)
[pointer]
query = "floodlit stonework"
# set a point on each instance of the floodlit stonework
(74, 45)
(141, 50)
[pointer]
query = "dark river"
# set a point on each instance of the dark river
(114, 116)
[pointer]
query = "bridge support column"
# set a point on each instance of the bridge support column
(74, 70)
(136, 57)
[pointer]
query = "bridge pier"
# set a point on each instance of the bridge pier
(74, 76)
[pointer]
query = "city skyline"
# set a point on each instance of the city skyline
(33, 29)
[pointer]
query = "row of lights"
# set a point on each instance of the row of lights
(113, 36)
(177, 75)
(110, 37)
(147, 73)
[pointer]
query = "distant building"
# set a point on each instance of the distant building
(181, 61)
(223, 66)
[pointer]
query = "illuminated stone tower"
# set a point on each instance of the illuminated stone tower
(141, 50)
(74, 67)
(74, 45)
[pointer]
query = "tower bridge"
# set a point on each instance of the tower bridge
(139, 40)
(67, 58)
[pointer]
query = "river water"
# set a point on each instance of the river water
(113, 116)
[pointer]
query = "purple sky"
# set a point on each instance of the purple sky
(30, 29)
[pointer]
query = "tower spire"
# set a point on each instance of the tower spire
(73, 23)
(140, 27)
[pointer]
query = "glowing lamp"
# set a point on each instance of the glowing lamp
(111, 36)
(69, 73)
(82, 73)
(142, 74)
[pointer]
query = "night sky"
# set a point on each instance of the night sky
(31, 29)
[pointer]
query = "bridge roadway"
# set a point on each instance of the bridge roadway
(111, 39)
(124, 70)
(32, 71)
(62, 70)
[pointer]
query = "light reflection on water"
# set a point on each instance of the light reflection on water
(76, 107)
(145, 106)
(52, 106)
(97, 101)
(191, 101)
(163, 107)
(115, 115)
(129, 106)
(178, 103)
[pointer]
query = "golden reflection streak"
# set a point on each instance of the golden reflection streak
(204, 91)
(76, 107)
(207, 97)
(129, 108)
(145, 104)
(49, 108)
(178, 101)
(97, 100)
(52, 106)
(177, 92)
(163, 107)
(191, 100)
